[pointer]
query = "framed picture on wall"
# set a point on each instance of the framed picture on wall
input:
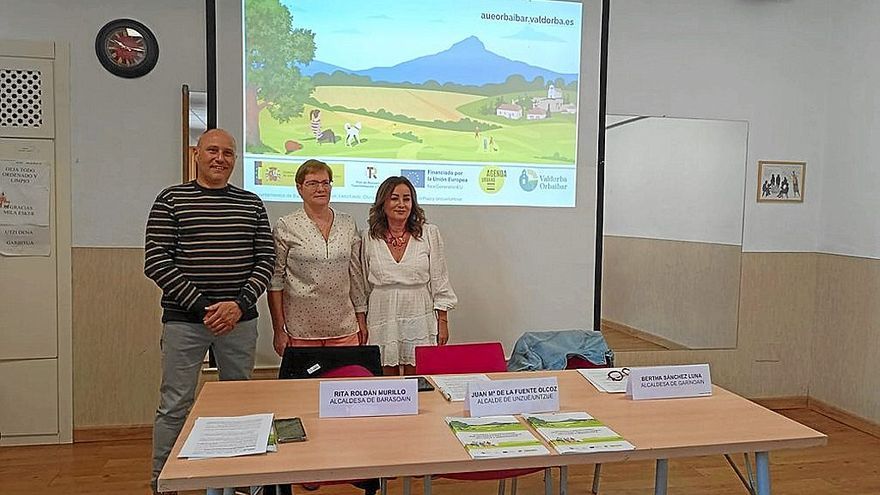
(780, 181)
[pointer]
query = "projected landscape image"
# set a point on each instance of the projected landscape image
(446, 86)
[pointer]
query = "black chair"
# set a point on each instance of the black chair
(315, 362)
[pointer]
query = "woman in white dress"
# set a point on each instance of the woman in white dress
(407, 293)
(317, 269)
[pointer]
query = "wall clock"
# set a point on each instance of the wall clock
(127, 48)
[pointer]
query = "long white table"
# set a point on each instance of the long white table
(357, 448)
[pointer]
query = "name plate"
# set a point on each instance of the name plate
(669, 382)
(353, 398)
(500, 397)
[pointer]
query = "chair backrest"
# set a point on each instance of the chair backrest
(560, 349)
(311, 362)
(348, 371)
(483, 357)
(576, 362)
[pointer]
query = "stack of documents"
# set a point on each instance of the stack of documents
(454, 387)
(228, 436)
(576, 433)
(601, 379)
(496, 436)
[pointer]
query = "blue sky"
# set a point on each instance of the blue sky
(360, 34)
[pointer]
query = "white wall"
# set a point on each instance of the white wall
(514, 268)
(850, 222)
(759, 61)
(845, 371)
(125, 132)
(676, 179)
(766, 62)
(802, 73)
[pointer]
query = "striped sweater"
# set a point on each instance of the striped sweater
(208, 245)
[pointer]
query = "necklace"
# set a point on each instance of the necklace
(395, 240)
(323, 223)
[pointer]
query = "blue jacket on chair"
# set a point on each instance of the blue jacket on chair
(550, 350)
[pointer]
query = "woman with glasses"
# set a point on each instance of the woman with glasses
(407, 293)
(317, 255)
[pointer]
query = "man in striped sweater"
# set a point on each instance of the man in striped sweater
(209, 248)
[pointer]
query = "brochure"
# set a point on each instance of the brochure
(495, 436)
(272, 443)
(576, 433)
(454, 387)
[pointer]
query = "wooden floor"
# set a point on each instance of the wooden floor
(850, 465)
(622, 341)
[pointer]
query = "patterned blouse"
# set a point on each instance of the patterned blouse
(316, 275)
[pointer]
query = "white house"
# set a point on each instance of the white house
(536, 114)
(509, 111)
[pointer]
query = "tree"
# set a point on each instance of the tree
(538, 84)
(516, 83)
(274, 81)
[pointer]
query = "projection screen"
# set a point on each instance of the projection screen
(475, 102)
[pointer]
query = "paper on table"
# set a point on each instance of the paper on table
(496, 436)
(228, 436)
(454, 387)
(576, 432)
(599, 378)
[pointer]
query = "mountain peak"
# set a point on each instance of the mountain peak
(467, 62)
(469, 43)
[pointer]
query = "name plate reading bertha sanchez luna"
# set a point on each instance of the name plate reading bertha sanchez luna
(669, 382)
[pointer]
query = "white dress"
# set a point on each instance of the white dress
(401, 297)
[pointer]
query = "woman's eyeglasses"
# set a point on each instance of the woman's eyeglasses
(313, 184)
(618, 375)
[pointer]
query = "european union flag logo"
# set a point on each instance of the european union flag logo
(417, 177)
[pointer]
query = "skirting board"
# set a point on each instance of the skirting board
(845, 417)
(640, 334)
(783, 403)
(835, 413)
(112, 433)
